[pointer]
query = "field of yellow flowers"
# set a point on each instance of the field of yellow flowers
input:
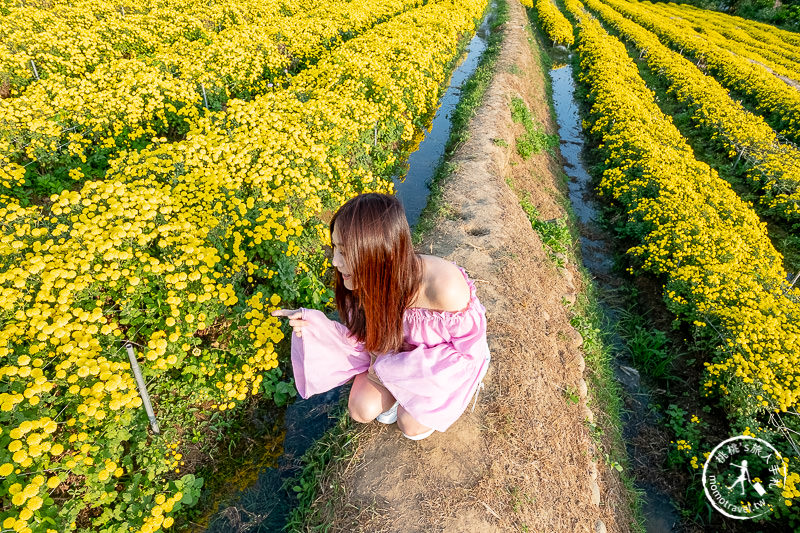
(773, 166)
(777, 49)
(148, 70)
(164, 170)
(777, 101)
(721, 273)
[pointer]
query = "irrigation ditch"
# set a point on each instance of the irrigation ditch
(657, 360)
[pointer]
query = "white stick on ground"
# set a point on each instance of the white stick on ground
(142, 388)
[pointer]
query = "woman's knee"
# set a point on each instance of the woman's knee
(364, 403)
(360, 414)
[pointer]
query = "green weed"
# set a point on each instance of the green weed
(688, 434)
(648, 347)
(534, 140)
(338, 444)
(519, 499)
(555, 234)
(571, 395)
(613, 464)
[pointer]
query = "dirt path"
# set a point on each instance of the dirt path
(523, 461)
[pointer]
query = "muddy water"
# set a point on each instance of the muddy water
(594, 246)
(660, 514)
(260, 504)
(412, 189)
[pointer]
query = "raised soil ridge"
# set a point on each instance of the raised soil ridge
(524, 459)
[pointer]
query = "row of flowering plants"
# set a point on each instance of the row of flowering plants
(741, 37)
(774, 167)
(102, 79)
(759, 35)
(554, 24)
(776, 101)
(181, 251)
(722, 274)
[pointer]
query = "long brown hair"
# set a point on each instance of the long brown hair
(376, 244)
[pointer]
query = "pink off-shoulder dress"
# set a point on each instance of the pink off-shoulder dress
(434, 381)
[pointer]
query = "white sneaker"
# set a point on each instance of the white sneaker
(389, 416)
(420, 436)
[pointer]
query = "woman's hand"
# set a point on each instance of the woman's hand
(295, 319)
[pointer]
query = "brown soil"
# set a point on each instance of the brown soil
(5, 88)
(524, 459)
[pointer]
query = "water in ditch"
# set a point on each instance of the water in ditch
(660, 514)
(412, 189)
(256, 500)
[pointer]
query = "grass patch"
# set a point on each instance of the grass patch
(604, 391)
(555, 233)
(648, 347)
(534, 140)
(472, 92)
(322, 465)
(500, 142)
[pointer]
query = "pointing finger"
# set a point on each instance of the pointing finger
(291, 313)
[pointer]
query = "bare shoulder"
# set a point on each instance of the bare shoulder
(443, 285)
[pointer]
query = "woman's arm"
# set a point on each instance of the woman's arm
(324, 354)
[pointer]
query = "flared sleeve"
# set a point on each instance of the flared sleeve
(325, 356)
